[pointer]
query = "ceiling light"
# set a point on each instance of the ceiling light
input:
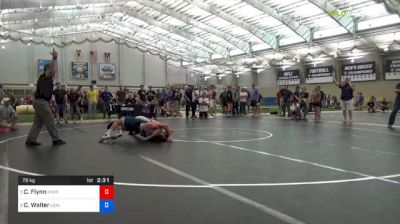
(352, 60)
(3, 47)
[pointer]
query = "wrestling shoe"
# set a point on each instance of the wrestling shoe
(106, 136)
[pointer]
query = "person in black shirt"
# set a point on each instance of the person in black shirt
(304, 102)
(142, 93)
(396, 106)
(286, 95)
(121, 95)
(229, 101)
(60, 98)
(73, 98)
(346, 98)
(43, 114)
(188, 99)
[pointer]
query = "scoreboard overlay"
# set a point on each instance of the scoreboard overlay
(66, 194)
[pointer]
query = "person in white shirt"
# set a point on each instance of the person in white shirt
(203, 106)
(243, 101)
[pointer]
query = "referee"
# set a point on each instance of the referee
(43, 115)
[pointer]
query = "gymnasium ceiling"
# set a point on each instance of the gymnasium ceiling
(218, 35)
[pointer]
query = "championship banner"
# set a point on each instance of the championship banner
(289, 77)
(78, 54)
(79, 70)
(392, 69)
(319, 74)
(359, 71)
(107, 71)
(41, 64)
(107, 57)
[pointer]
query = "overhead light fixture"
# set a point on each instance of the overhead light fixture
(352, 60)
(237, 76)
(386, 49)
(29, 44)
(3, 47)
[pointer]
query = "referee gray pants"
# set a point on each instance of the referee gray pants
(43, 116)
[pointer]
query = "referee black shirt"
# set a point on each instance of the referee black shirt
(44, 87)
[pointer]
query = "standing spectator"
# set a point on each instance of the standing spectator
(203, 106)
(229, 101)
(316, 102)
(81, 100)
(60, 97)
(384, 105)
(278, 100)
(130, 100)
(223, 100)
(329, 101)
(304, 101)
(151, 94)
(188, 96)
(92, 97)
(74, 98)
(243, 101)
(121, 95)
(106, 97)
(236, 101)
(8, 116)
(286, 95)
(296, 99)
(1, 93)
(346, 98)
(142, 93)
(396, 106)
(195, 101)
(360, 101)
(254, 101)
(43, 114)
(213, 101)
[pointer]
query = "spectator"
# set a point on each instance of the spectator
(396, 106)
(203, 106)
(223, 100)
(278, 100)
(92, 97)
(329, 101)
(151, 94)
(384, 105)
(286, 95)
(1, 93)
(8, 116)
(229, 101)
(81, 101)
(142, 93)
(254, 99)
(304, 101)
(130, 100)
(236, 101)
(60, 97)
(195, 101)
(74, 98)
(243, 101)
(188, 96)
(213, 101)
(346, 98)
(121, 95)
(360, 101)
(106, 98)
(316, 102)
(371, 105)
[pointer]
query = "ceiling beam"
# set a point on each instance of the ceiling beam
(100, 11)
(257, 31)
(238, 43)
(301, 30)
(60, 22)
(345, 21)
